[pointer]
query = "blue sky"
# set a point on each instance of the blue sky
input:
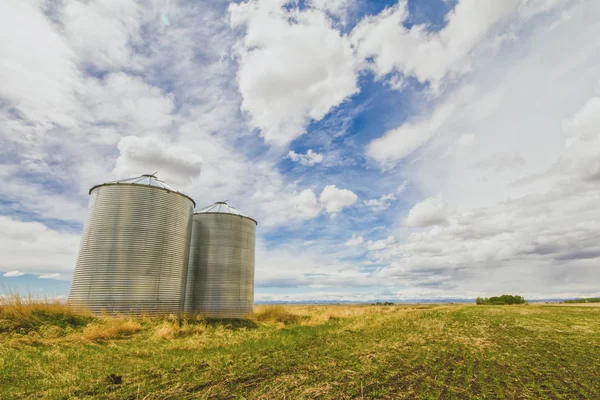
(388, 149)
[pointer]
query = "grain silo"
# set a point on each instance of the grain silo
(134, 249)
(220, 282)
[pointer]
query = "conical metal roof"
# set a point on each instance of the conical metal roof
(221, 207)
(146, 180)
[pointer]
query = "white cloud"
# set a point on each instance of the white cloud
(254, 186)
(528, 227)
(101, 32)
(36, 198)
(374, 245)
(336, 8)
(501, 162)
(34, 248)
(320, 265)
(305, 204)
(582, 153)
(38, 73)
(129, 102)
(308, 159)
(432, 56)
(146, 155)
(401, 142)
(13, 274)
(380, 204)
(55, 275)
(431, 211)
(402, 187)
(355, 240)
(397, 82)
(514, 115)
(292, 77)
(466, 140)
(335, 200)
(376, 205)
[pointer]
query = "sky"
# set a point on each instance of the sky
(389, 150)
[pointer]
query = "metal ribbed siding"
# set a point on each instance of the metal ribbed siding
(220, 281)
(134, 251)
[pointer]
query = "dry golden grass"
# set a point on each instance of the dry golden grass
(27, 313)
(17, 306)
(167, 330)
(111, 328)
(309, 314)
(275, 313)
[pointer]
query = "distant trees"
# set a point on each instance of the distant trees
(584, 300)
(500, 300)
(385, 303)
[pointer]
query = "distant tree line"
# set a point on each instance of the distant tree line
(500, 300)
(385, 303)
(584, 300)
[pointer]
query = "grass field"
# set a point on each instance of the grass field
(304, 352)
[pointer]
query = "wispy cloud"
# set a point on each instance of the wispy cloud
(13, 274)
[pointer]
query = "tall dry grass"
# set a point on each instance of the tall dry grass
(111, 328)
(275, 313)
(29, 313)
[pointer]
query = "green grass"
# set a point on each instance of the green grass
(386, 352)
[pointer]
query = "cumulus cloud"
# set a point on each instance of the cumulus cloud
(431, 211)
(519, 245)
(432, 56)
(308, 159)
(139, 155)
(305, 204)
(32, 247)
(335, 200)
(13, 274)
(292, 77)
(355, 240)
(514, 116)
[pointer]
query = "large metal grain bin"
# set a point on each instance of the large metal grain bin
(134, 249)
(220, 281)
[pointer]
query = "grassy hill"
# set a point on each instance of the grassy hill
(305, 352)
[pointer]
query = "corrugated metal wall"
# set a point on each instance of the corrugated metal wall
(220, 281)
(134, 251)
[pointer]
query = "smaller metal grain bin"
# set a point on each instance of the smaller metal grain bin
(220, 282)
(134, 249)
